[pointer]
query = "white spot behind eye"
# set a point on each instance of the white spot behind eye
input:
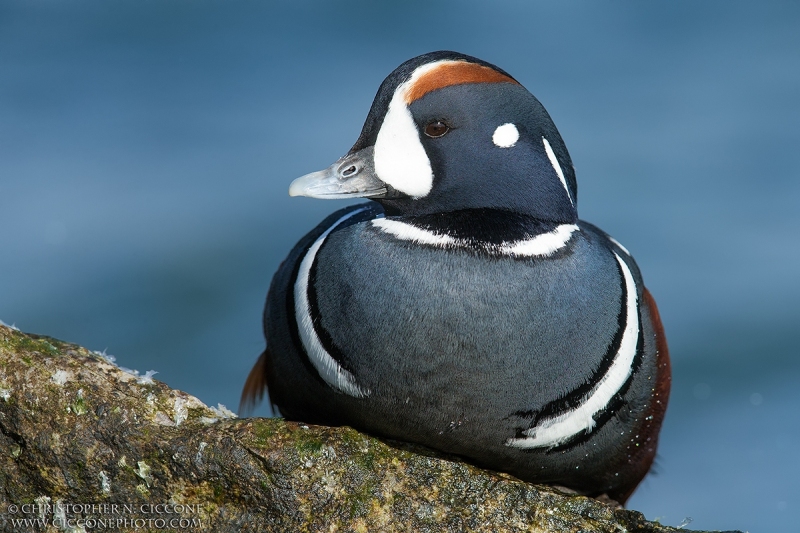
(505, 136)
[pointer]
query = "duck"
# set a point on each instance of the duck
(464, 306)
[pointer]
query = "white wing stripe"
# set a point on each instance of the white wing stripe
(557, 430)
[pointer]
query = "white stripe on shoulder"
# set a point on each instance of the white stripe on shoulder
(553, 431)
(551, 155)
(615, 241)
(542, 245)
(329, 370)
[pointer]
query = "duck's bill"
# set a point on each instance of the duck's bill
(352, 176)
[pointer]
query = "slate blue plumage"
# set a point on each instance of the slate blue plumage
(467, 308)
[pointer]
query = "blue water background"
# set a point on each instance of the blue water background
(146, 149)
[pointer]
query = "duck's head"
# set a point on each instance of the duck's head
(449, 132)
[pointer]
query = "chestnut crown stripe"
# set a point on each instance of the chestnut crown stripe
(446, 73)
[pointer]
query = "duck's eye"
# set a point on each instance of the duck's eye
(436, 129)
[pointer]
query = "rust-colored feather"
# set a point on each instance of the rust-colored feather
(664, 375)
(643, 458)
(255, 386)
(454, 73)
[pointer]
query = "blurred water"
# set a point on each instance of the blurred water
(146, 149)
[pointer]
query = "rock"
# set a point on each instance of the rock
(86, 445)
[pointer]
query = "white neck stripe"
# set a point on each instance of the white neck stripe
(329, 370)
(410, 232)
(551, 155)
(553, 431)
(545, 244)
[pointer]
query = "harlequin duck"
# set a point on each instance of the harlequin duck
(466, 308)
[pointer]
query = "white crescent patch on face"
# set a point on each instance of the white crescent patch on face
(400, 158)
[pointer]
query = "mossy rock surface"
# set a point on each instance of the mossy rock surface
(77, 429)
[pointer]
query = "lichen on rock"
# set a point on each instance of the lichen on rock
(77, 430)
